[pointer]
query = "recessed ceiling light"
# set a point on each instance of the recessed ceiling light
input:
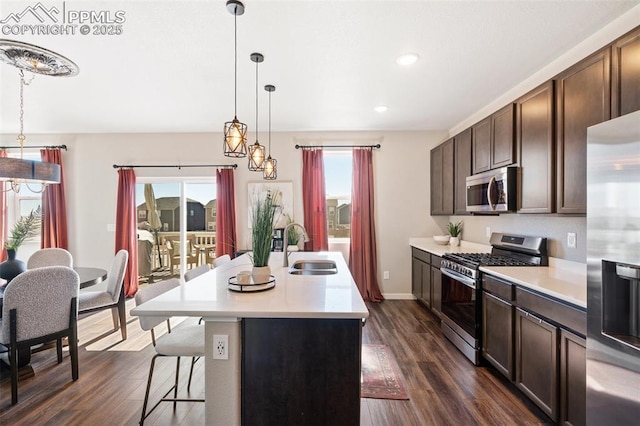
(407, 59)
(381, 108)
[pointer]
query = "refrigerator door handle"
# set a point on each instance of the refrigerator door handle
(628, 272)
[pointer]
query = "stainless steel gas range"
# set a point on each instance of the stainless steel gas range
(462, 289)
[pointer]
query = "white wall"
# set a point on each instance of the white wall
(401, 169)
(595, 42)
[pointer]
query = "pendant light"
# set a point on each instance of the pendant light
(35, 59)
(19, 170)
(270, 164)
(256, 151)
(235, 132)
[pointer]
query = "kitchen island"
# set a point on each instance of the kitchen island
(294, 350)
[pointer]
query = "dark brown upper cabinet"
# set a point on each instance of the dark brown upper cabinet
(535, 139)
(462, 158)
(583, 98)
(625, 74)
(502, 140)
(442, 179)
(481, 142)
(493, 141)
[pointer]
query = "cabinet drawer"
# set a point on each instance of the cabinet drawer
(436, 261)
(422, 255)
(502, 289)
(564, 315)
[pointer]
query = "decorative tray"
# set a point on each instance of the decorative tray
(251, 286)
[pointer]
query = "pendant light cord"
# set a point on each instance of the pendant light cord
(257, 101)
(269, 124)
(235, 62)
(21, 136)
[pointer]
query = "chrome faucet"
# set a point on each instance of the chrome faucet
(285, 261)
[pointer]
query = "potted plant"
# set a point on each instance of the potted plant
(26, 227)
(263, 212)
(454, 229)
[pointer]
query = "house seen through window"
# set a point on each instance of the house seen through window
(159, 228)
(337, 174)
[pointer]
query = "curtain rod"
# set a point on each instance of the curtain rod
(36, 146)
(377, 146)
(131, 166)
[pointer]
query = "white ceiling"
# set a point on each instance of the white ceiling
(332, 62)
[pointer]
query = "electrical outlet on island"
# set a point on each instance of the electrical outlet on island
(220, 346)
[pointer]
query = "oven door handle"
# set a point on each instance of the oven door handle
(460, 278)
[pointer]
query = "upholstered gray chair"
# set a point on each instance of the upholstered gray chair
(186, 339)
(113, 297)
(221, 260)
(196, 272)
(40, 306)
(50, 257)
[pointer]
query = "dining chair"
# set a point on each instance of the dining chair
(39, 306)
(173, 249)
(221, 260)
(196, 272)
(186, 339)
(50, 257)
(111, 298)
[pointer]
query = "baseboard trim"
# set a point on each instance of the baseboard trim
(398, 296)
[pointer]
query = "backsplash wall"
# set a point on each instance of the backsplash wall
(554, 228)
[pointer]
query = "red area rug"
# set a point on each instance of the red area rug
(379, 378)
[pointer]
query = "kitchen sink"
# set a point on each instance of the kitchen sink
(313, 267)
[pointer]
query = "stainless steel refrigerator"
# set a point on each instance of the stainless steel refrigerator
(613, 272)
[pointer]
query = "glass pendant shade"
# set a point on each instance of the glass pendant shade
(256, 151)
(235, 139)
(256, 157)
(270, 169)
(235, 132)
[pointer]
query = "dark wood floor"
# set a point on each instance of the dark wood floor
(444, 388)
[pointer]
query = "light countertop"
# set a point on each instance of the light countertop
(562, 279)
(294, 296)
(429, 244)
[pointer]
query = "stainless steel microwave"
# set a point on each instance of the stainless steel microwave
(493, 191)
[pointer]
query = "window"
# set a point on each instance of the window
(169, 195)
(338, 176)
(21, 204)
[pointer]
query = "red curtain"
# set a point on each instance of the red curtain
(4, 215)
(314, 200)
(225, 213)
(126, 236)
(363, 256)
(54, 207)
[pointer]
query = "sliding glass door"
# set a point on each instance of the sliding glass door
(176, 226)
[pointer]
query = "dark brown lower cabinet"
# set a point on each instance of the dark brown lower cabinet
(421, 276)
(537, 361)
(301, 371)
(426, 281)
(573, 374)
(497, 333)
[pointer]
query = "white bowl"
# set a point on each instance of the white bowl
(443, 240)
